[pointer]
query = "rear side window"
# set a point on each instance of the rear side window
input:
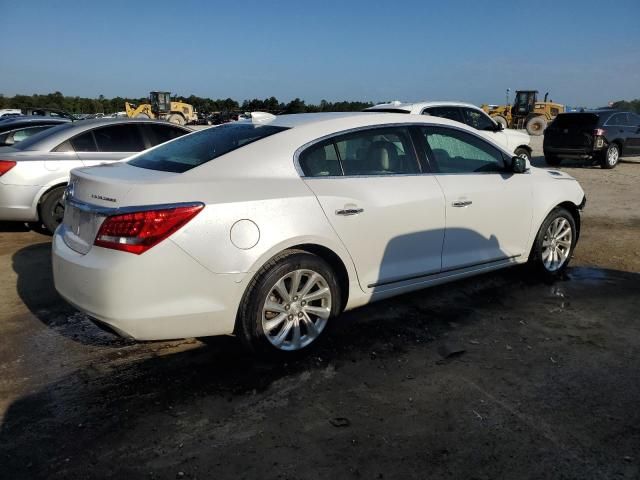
(381, 151)
(453, 151)
(452, 113)
(618, 120)
(193, 150)
(157, 134)
(118, 138)
(82, 143)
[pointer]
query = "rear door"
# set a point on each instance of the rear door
(488, 210)
(633, 140)
(388, 214)
(108, 144)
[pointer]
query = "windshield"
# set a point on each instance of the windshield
(192, 150)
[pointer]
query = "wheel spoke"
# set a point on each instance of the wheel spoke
(312, 331)
(317, 295)
(295, 340)
(311, 281)
(281, 288)
(322, 312)
(295, 283)
(281, 337)
(274, 322)
(274, 307)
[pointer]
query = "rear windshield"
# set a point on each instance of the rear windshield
(576, 120)
(192, 150)
(387, 110)
(33, 140)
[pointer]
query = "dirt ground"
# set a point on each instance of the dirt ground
(498, 376)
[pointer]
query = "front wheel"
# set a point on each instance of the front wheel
(176, 119)
(535, 125)
(522, 152)
(52, 209)
(288, 304)
(611, 156)
(554, 244)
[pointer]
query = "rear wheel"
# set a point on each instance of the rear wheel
(536, 125)
(554, 244)
(176, 119)
(288, 304)
(552, 160)
(142, 115)
(611, 156)
(52, 209)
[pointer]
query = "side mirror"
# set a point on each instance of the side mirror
(518, 164)
(499, 127)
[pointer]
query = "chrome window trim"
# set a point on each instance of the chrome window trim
(299, 150)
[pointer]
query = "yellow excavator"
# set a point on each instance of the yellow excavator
(161, 107)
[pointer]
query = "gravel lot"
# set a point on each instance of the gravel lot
(494, 377)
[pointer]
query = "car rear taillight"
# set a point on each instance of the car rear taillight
(599, 132)
(6, 165)
(137, 232)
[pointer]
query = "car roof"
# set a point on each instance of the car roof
(417, 107)
(52, 137)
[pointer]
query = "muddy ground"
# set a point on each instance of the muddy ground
(494, 377)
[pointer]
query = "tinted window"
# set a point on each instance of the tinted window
(381, 151)
(452, 113)
(157, 134)
(477, 119)
(16, 136)
(453, 151)
(82, 143)
(565, 120)
(192, 150)
(321, 160)
(119, 138)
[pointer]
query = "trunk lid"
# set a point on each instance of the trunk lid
(96, 192)
(572, 130)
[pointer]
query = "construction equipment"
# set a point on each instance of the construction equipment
(160, 106)
(526, 112)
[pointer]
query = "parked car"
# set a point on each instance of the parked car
(49, 112)
(10, 112)
(602, 135)
(269, 227)
(512, 140)
(34, 172)
(17, 129)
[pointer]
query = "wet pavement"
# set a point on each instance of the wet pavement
(542, 382)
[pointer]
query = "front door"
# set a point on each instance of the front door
(388, 214)
(488, 209)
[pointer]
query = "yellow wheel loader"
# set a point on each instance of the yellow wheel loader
(160, 106)
(526, 112)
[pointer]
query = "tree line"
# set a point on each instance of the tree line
(633, 105)
(202, 104)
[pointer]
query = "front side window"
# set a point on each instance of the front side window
(477, 119)
(453, 151)
(193, 150)
(119, 138)
(380, 151)
(452, 113)
(158, 134)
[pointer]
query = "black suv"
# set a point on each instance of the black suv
(602, 135)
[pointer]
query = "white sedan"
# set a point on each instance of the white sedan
(509, 139)
(268, 228)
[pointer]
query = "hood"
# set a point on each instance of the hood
(516, 137)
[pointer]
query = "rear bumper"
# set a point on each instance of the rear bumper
(159, 295)
(17, 202)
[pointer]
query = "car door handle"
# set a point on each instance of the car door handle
(349, 211)
(461, 203)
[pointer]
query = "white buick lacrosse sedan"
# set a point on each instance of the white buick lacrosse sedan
(269, 228)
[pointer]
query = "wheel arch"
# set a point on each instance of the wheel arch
(45, 191)
(575, 213)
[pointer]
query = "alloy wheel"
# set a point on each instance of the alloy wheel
(556, 245)
(296, 309)
(612, 156)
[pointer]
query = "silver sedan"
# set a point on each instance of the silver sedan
(34, 173)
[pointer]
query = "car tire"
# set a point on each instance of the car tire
(552, 160)
(501, 120)
(51, 209)
(273, 319)
(176, 119)
(142, 116)
(553, 246)
(536, 125)
(611, 156)
(522, 152)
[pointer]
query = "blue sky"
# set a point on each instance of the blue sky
(584, 52)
